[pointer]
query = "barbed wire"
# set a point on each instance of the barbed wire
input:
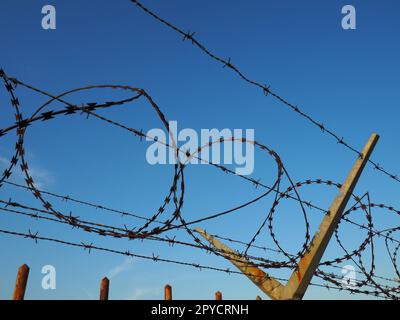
(266, 89)
(89, 247)
(175, 196)
(155, 228)
(171, 241)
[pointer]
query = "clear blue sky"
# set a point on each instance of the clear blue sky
(346, 79)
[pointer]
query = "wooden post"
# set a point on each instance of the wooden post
(218, 295)
(270, 286)
(301, 277)
(104, 288)
(167, 292)
(20, 283)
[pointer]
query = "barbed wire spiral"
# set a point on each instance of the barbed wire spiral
(156, 226)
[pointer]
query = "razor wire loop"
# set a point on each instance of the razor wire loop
(175, 196)
(74, 221)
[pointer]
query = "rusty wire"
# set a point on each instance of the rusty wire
(266, 89)
(155, 228)
(175, 195)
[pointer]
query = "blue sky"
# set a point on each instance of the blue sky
(347, 79)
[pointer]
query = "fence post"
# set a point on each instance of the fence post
(20, 283)
(218, 295)
(300, 279)
(167, 292)
(104, 288)
(298, 283)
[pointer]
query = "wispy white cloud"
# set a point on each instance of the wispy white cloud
(142, 293)
(42, 177)
(4, 162)
(124, 266)
(88, 295)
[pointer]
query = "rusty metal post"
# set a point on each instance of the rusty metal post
(20, 283)
(104, 288)
(167, 292)
(218, 295)
(301, 277)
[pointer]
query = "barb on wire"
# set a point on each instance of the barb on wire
(265, 89)
(169, 215)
